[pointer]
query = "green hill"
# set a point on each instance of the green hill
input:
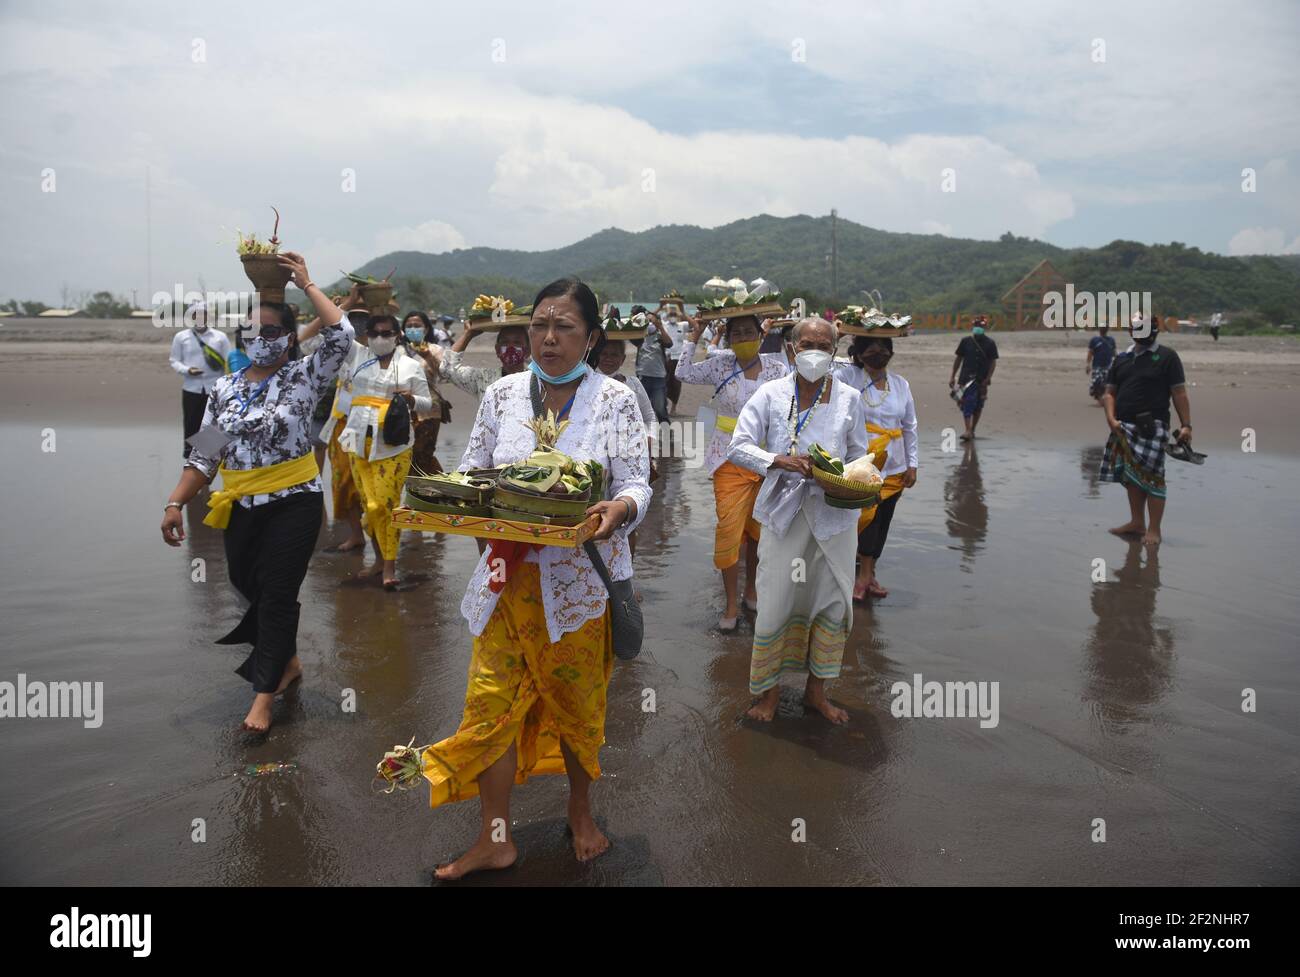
(916, 272)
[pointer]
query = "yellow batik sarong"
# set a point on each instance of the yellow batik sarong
(256, 481)
(379, 486)
(342, 489)
(524, 690)
(734, 491)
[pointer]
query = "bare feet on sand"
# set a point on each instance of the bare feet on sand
(588, 840)
(1151, 538)
(765, 708)
(486, 854)
(1130, 529)
(258, 719)
(827, 708)
(292, 672)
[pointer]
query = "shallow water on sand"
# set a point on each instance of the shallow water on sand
(1119, 700)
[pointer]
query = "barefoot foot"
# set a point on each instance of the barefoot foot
(1130, 529)
(1151, 538)
(486, 854)
(588, 840)
(827, 708)
(765, 708)
(258, 719)
(292, 672)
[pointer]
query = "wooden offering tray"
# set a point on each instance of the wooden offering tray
(494, 527)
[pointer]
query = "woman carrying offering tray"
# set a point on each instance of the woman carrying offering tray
(542, 654)
(257, 433)
(372, 376)
(891, 431)
(733, 376)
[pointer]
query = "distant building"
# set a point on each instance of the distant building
(61, 314)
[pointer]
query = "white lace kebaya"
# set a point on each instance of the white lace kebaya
(604, 425)
(763, 432)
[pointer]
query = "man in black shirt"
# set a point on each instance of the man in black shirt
(977, 358)
(1138, 389)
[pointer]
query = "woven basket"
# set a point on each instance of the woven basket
(537, 503)
(857, 329)
(268, 276)
(736, 311)
(841, 488)
(487, 325)
(478, 492)
(376, 296)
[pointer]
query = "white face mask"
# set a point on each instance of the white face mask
(812, 364)
(200, 327)
(382, 345)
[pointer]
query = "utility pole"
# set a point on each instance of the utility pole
(835, 289)
(148, 235)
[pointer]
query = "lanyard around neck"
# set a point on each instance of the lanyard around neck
(247, 402)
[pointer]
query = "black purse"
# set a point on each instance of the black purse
(626, 625)
(397, 422)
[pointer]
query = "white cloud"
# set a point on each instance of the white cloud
(1262, 240)
(433, 236)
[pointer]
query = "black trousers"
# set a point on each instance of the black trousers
(268, 548)
(192, 407)
(871, 541)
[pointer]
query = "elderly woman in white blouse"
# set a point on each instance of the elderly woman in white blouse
(732, 377)
(891, 428)
(805, 555)
(543, 653)
(371, 377)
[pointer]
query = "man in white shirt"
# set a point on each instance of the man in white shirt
(199, 355)
(673, 330)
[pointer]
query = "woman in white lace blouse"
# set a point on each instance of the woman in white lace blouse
(542, 657)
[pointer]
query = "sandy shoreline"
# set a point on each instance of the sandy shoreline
(114, 373)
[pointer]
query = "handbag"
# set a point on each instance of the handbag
(397, 422)
(626, 625)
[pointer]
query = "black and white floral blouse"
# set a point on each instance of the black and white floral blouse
(272, 423)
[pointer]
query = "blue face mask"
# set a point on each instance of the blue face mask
(978, 331)
(572, 375)
(415, 333)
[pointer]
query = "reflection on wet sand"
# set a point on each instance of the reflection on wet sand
(1090, 465)
(963, 498)
(1129, 657)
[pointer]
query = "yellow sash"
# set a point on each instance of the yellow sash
(725, 423)
(257, 481)
(883, 436)
(378, 403)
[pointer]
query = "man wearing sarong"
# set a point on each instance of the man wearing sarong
(1138, 390)
(806, 549)
(977, 358)
(1101, 352)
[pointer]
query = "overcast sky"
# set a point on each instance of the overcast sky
(511, 125)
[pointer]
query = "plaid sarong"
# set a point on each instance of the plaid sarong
(1097, 385)
(1132, 459)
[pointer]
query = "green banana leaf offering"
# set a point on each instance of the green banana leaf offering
(825, 462)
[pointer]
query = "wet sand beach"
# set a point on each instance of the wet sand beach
(1118, 700)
